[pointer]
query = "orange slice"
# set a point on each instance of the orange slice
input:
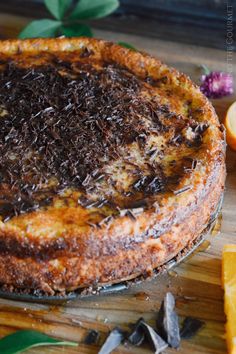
(229, 283)
(230, 125)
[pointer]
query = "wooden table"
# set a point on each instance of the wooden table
(196, 283)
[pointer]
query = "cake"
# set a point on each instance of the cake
(111, 164)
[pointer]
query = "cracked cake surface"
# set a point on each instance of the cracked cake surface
(111, 163)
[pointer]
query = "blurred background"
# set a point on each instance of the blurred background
(199, 22)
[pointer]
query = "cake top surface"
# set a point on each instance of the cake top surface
(88, 129)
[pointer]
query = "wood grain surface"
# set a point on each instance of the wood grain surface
(196, 283)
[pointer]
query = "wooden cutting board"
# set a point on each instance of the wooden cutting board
(196, 283)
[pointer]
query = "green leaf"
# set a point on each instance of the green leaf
(22, 340)
(126, 45)
(88, 9)
(76, 30)
(57, 7)
(205, 69)
(40, 28)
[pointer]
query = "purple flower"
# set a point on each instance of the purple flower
(217, 84)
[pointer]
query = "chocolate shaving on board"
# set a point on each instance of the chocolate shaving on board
(92, 337)
(143, 331)
(154, 339)
(114, 339)
(190, 327)
(137, 336)
(167, 321)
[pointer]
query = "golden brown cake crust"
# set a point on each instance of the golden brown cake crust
(157, 195)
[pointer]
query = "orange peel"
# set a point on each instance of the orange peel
(229, 284)
(230, 125)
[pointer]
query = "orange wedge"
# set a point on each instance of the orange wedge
(230, 125)
(229, 283)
